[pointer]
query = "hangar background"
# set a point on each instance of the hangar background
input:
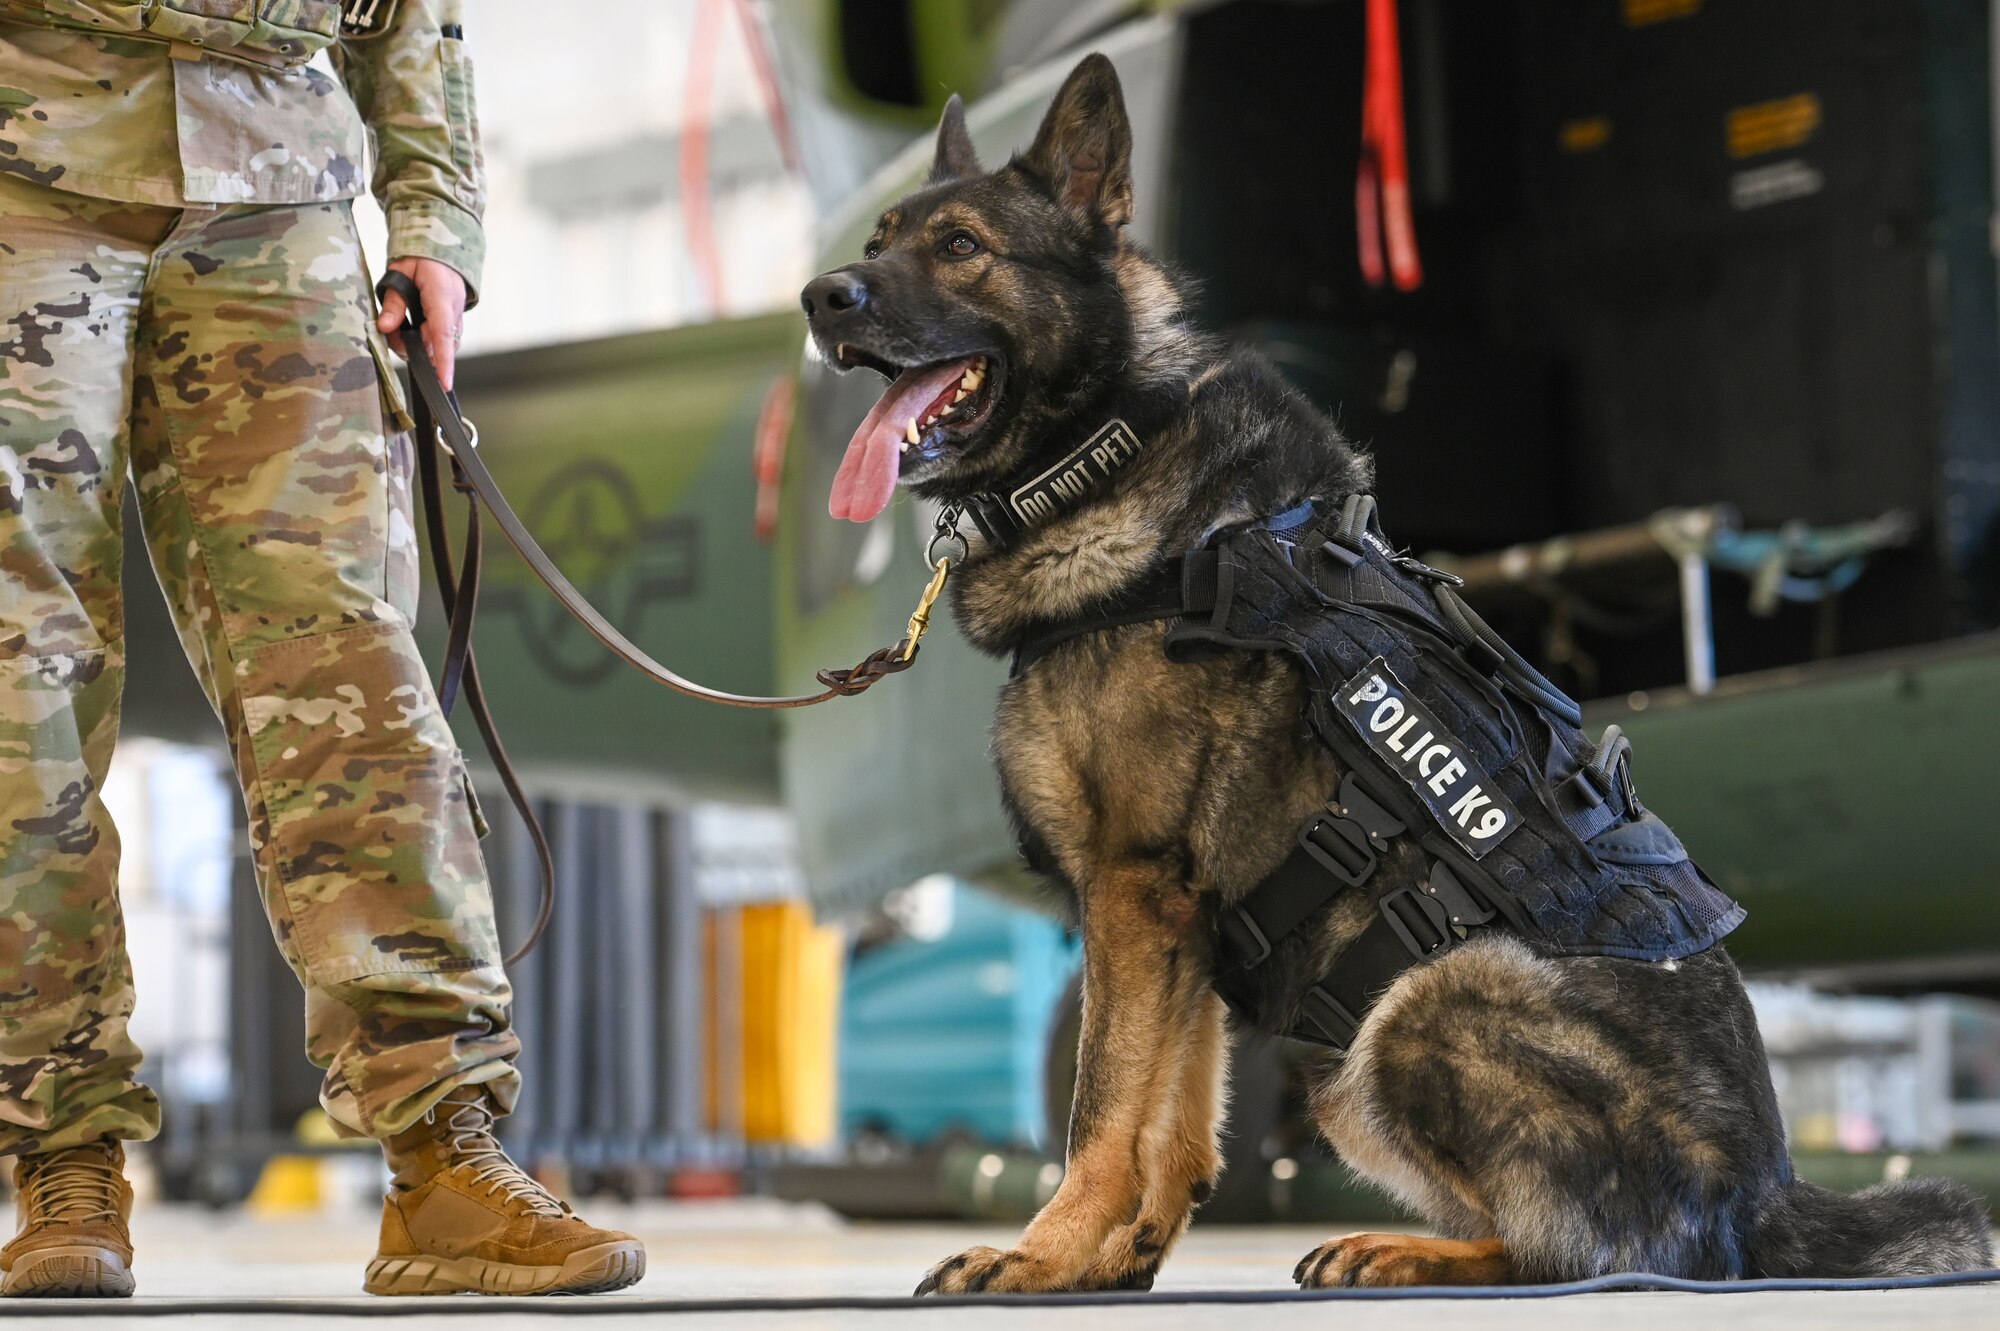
(1701, 392)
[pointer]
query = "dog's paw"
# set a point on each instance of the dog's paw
(1357, 1259)
(1129, 1259)
(991, 1271)
(1402, 1259)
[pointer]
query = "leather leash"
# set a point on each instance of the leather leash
(439, 425)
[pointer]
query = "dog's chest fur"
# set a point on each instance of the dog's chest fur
(1121, 768)
(1118, 763)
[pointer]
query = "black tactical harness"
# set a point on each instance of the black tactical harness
(1448, 738)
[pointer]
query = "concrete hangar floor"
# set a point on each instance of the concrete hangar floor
(306, 1272)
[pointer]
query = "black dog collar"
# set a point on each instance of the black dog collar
(1083, 472)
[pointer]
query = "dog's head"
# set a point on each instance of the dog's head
(989, 300)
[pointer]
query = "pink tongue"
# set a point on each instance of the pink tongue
(866, 480)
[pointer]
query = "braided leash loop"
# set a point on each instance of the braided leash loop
(878, 664)
(890, 660)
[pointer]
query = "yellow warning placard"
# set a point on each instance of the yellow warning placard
(1639, 13)
(1768, 127)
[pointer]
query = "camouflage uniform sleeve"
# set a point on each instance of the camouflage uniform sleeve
(414, 87)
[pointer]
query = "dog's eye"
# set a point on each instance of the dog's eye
(960, 244)
(872, 250)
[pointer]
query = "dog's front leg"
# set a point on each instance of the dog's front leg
(1145, 996)
(1179, 1157)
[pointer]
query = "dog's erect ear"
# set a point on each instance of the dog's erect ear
(1084, 147)
(955, 156)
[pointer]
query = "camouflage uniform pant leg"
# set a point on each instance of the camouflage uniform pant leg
(278, 514)
(72, 274)
(278, 517)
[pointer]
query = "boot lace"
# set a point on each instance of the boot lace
(468, 1135)
(76, 1186)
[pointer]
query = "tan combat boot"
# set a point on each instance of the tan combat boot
(75, 1207)
(461, 1217)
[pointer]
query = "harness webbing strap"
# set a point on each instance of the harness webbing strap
(1296, 890)
(1339, 1003)
(1184, 585)
(1337, 849)
(1412, 924)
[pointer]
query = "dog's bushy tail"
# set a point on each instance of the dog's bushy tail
(1917, 1227)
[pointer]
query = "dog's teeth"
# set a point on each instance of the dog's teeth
(905, 447)
(910, 430)
(840, 351)
(963, 393)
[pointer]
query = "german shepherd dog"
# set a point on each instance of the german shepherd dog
(1552, 1117)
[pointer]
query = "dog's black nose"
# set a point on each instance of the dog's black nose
(836, 293)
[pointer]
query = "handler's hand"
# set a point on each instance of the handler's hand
(443, 292)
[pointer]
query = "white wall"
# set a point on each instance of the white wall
(555, 83)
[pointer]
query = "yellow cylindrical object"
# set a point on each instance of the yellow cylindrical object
(289, 1184)
(790, 1008)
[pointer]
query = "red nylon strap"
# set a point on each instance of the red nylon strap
(1382, 180)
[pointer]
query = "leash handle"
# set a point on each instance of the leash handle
(458, 591)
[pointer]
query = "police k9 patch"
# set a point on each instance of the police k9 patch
(1437, 766)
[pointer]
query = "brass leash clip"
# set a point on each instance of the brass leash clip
(920, 621)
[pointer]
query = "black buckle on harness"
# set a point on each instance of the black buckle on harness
(1419, 920)
(1342, 839)
(1330, 1016)
(1483, 657)
(1357, 805)
(1460, 904)
(1346, 555)
(1435, 917)
(1347, 836)
(1340, 844)
(1412, 565)
(1252, 947)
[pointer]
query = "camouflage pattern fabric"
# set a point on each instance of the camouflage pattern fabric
(415, 90)
(231, 356)
(141, 120)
